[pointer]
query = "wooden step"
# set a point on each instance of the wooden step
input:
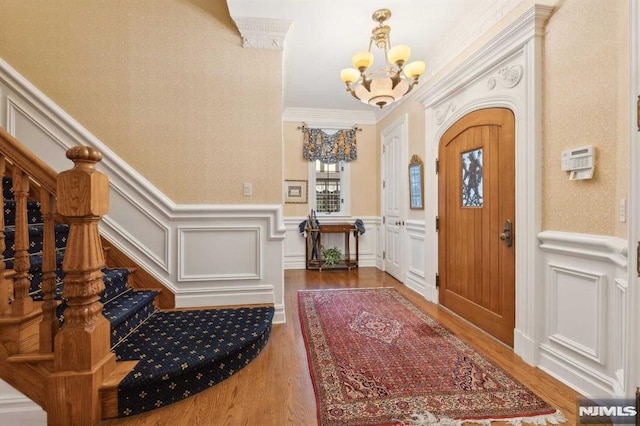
(34, 357)
(109, 389)
(20, 334)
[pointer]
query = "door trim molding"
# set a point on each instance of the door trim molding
(505, 72)
(632, 368)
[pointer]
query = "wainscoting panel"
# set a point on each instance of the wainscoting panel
(219, 263)
(189, 248)
(583, 336)
(152, 237)
(294, 242)
(415, 256)
(570, 291)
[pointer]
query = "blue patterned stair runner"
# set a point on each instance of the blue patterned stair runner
(181, 352)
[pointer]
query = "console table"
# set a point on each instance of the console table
(314, 244)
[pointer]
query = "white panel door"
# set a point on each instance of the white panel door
(393, 199)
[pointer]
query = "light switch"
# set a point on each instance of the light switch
(247, 189)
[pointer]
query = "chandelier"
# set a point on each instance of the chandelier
(383, 86)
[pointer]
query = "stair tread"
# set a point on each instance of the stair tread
(119, 309)
(187, 351)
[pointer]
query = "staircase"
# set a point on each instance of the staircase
(76, 336)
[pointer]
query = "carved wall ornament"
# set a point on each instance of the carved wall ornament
(444, 112)
(508, 76)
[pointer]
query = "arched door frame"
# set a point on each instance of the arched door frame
(505, 73)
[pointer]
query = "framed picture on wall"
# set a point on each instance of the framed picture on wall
(416, 183)
(295, 191)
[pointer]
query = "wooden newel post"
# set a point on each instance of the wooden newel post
(82, 346)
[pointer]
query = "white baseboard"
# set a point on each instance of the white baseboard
(18, 410)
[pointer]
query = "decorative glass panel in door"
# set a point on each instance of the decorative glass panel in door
(472, 178)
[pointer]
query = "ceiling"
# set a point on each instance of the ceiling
(324, 34)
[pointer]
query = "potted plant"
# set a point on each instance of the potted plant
(331, 256)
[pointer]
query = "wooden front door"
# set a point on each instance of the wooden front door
(477, 229)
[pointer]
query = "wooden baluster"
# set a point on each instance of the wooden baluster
(6, 285)
(82, 346)
(49, 325)
(22, 304)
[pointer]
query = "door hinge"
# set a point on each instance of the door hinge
(384, 255)
(638, 113)
(384, 184)
(437, 280)
(638, 259)
(437, 166)
(437, 223)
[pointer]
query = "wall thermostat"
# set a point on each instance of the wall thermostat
(579, 162)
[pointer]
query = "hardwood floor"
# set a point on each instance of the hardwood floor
(276, 389)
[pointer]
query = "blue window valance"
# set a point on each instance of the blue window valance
(329, 148)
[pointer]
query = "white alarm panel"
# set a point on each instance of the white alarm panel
(578, 161)
(578, 158)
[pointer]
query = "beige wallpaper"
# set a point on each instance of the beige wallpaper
(167, 86)
(364, 171)
(584, 102)
(164, 83)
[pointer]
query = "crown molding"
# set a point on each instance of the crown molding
(329, 118)
(516, 34)
(470, 28)
(262, 33)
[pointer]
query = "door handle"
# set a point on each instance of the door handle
(506, 234)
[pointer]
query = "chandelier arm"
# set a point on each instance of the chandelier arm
(366, 82)
(413, 83)
(395, 80)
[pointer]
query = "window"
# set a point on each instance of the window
(329, 188)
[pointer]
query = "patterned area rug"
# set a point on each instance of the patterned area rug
(376, 359)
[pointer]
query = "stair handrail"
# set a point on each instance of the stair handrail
(24, 159)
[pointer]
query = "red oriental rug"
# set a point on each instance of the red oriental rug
(376, 359)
